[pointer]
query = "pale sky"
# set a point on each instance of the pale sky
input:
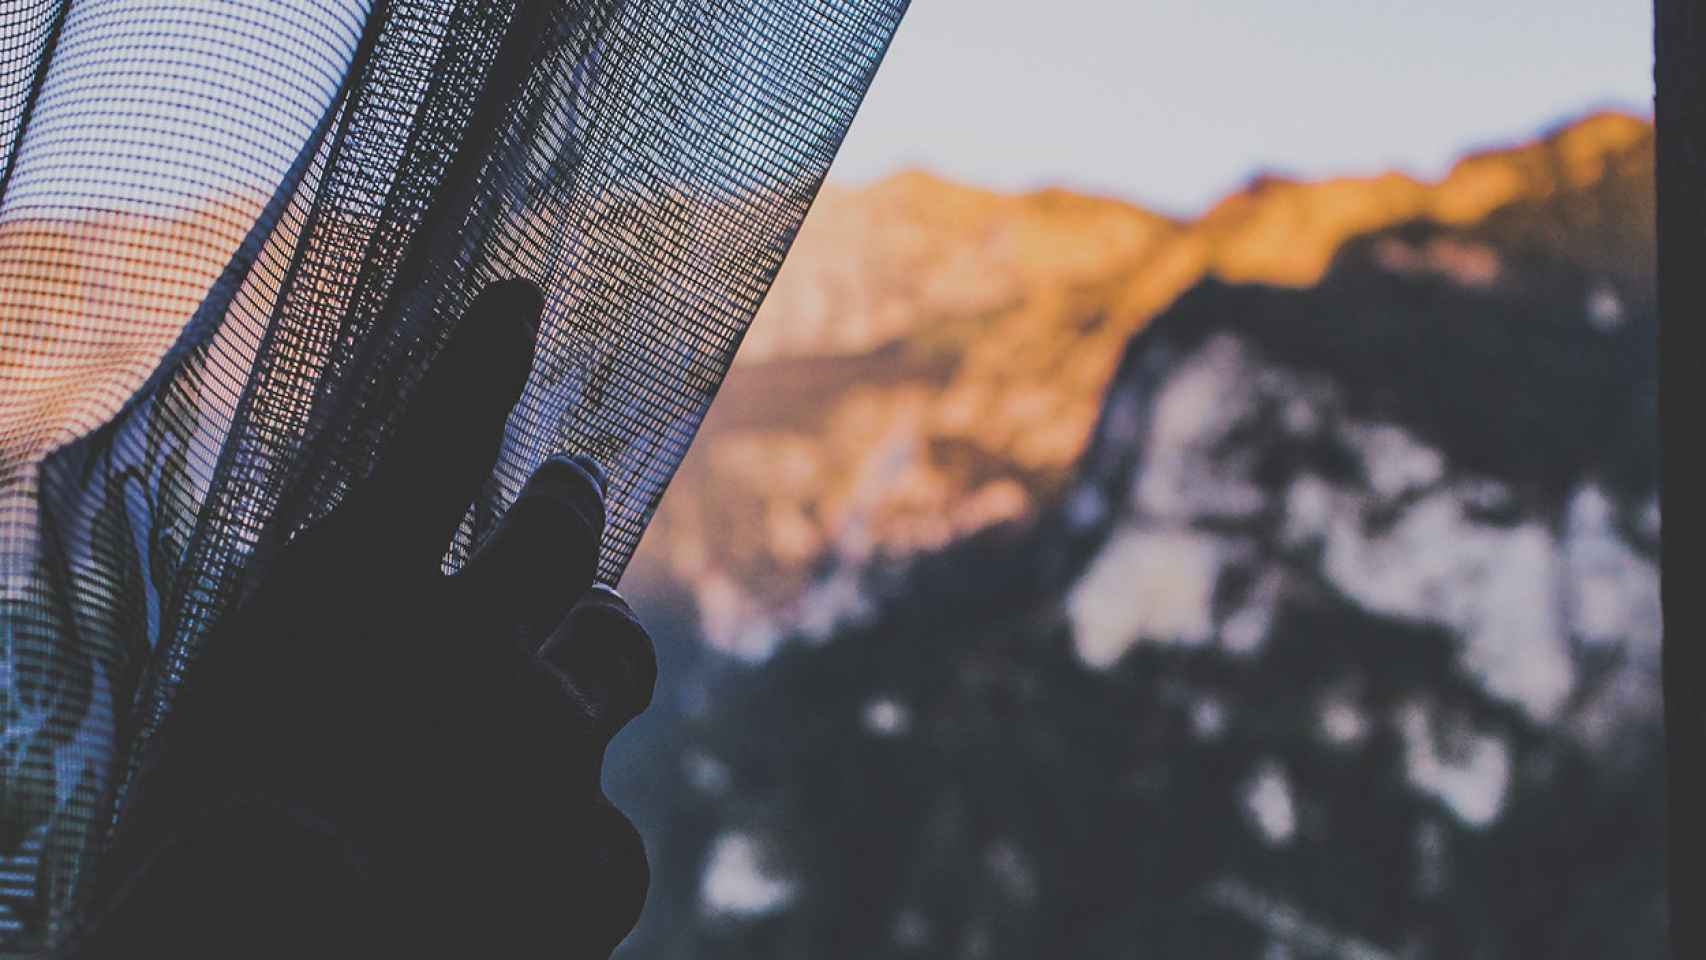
(1172, 103)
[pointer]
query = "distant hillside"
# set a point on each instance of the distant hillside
(1336, 634)
(932, 357)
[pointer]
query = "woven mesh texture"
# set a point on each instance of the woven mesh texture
(232, 236)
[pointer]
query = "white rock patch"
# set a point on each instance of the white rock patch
(1604, 308)
(1144, 585)
(1267, 801)
(1201, 400)
(1470, 779)
(887, 717)
(1394, 461)
(1497, 587)
(1613, 592)
(735, 882)
(1343, 723)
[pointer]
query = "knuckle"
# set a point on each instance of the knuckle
(543, 553)
(607, 656)
(622, 869)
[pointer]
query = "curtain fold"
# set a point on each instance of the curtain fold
(232, 236)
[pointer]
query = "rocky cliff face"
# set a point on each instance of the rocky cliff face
(932, 358)
(1335, 633)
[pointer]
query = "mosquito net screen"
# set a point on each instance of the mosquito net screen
(232, 235)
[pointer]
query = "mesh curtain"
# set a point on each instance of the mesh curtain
(232, 234)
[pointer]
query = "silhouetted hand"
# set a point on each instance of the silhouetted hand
(375, 758)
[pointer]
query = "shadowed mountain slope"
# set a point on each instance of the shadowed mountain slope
(1336, 636)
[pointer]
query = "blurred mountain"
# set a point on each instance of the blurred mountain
(932, 357)
(1279, 585)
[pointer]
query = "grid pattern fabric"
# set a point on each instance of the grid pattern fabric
(232, 235)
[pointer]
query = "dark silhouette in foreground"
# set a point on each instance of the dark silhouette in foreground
(374, 758)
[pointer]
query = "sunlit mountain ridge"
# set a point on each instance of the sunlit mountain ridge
(932, 356)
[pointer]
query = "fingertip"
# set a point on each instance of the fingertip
(543, 554)
(594, 471)
(519, 293)
(449, 437)
(518, 298)
(604, 650)
(519, 305)
(574, 484)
